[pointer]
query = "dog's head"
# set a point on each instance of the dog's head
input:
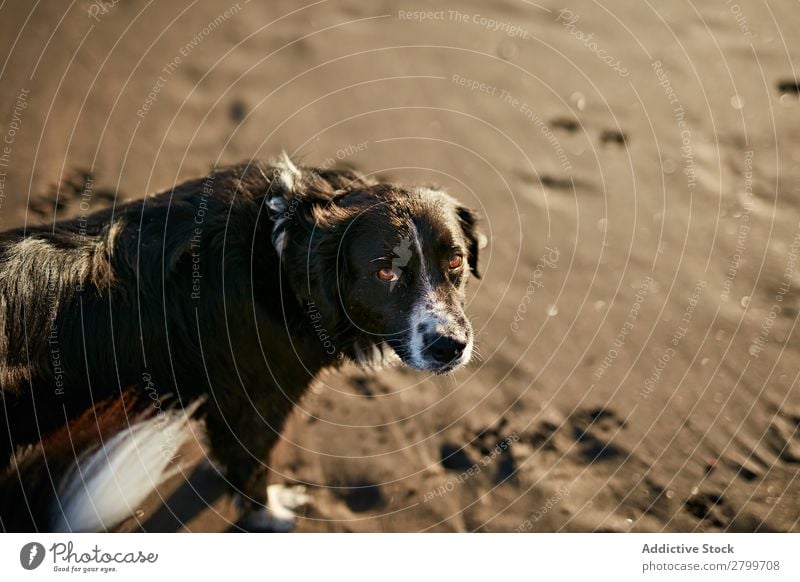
(383, 265)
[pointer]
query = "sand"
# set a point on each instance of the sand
(638, 169)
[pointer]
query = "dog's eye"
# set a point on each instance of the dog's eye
(455, 260)
(387, 274)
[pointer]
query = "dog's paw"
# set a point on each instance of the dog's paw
(279, 513)
(284, 500)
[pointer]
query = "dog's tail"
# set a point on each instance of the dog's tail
(108, 484)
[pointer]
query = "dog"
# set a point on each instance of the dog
(221, 299)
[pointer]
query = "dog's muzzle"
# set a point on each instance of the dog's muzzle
(440, 341)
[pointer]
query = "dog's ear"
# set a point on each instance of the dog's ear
(304, 199)
(476, 240)
(307, 235)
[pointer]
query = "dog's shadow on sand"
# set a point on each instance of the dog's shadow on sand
(200, 490)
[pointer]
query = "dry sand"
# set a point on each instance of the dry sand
(640, 188)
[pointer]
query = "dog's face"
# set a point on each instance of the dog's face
(391, 265)
(408, 257)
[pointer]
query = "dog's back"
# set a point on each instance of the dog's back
(87, 307)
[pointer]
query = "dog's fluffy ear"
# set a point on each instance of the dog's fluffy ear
(289, 174)
(307, 196)
(307, 230)
(286, 193)
(476, 240)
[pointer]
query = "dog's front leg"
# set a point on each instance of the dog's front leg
(242, 442)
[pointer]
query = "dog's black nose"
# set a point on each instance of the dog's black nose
(443, 348)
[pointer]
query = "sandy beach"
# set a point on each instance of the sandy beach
(637, 168)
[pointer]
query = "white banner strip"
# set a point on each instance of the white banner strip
(401, 557)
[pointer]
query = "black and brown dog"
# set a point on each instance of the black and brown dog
(233, 290)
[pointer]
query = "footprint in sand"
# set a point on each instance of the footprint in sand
(368, 387)
(556, 183)
(783, 437)
(493, 446)
(62, 200)
(711, 509)
(361, 496)
(362, 386)
(454, 458)
(237, 111)
(565, 124)
(789, 87)
(613, 137)
(593, 431)
(588, 432)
